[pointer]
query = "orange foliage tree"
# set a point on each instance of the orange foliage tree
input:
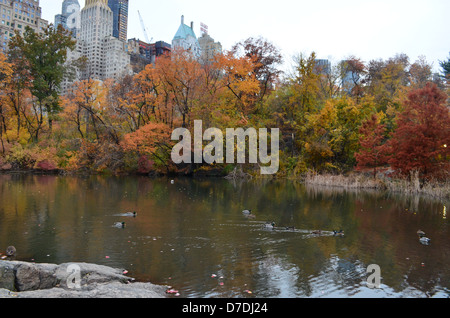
(373, 145)
(86, 107)
(149, 142)
(422, 139)
(5, 73)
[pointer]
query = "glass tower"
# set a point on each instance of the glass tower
(70, 16)
(120, 12)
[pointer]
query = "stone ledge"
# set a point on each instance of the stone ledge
(30, 280)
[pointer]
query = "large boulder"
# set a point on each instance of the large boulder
(91, 273)
(30, 280)
(7, 276)
(113, 290)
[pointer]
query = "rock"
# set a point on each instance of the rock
(107, 290)
(7, 276)
(27, 277)
(29, 280)
(47, 278)
(91, 273)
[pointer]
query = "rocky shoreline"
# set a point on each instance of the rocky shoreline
(31, 280)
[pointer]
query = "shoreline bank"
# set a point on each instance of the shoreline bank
(353, 181)
(437, 190)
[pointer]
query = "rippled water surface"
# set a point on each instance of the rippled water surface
(193, 235)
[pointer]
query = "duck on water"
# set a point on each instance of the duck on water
(119, 225)
(10, 252)
(422, 238)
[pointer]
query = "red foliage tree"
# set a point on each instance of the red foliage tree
(422, 139)
(373, 146)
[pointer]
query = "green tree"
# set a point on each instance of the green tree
(445, 67)
(44, 55)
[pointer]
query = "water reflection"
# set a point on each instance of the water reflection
(192, 235)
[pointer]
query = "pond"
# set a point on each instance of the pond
(192, 235)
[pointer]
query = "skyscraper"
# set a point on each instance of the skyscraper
(120, 15)
(107, 57)
(69, 17)
(209, 47)
(16, 16)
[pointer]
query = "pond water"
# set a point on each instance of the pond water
(193, 235)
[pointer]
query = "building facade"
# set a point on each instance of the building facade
(106, 56)
(16, 15)
(209, 47)
(160, 48)
(120, 18)
(143, 53)
(322, 67)
(70, 17)
(186, 39)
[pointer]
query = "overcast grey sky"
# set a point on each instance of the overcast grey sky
(367, 29)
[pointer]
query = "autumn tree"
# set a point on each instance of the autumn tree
(150, 142)
(5, 73)
(385, 81)
(421, 141)
(373, 146)
(352, 72)
(86, 107)
(180, 73)
(241, 85)
(332, 134)
(265, 57)
(420, 73)
(43, 56)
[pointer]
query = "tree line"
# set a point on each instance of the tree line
(333, 118)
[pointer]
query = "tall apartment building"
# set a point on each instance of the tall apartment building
(186, 39)
(120, 18)
(17, 15)
(70, 17)
(322, 67)
(209, 47)
(107, 56)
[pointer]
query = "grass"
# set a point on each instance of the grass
(410, 185)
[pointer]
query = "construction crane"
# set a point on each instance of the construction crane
(144, 29)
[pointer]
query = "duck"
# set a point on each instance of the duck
(130, 214)
(421, 233)
(425, 240)
(119, 225)
(11, 251)
(269, 225)
(247, 212)
(339, 233)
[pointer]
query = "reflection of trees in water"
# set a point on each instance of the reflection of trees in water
(380, 228)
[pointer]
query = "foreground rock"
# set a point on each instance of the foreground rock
(29, 280)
